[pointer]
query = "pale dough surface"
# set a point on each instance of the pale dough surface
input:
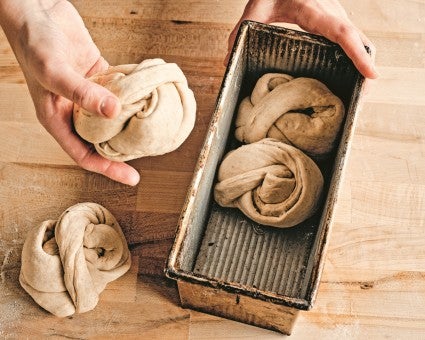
(301, 112)
(158, 111)
(271, 182)
(67, 263)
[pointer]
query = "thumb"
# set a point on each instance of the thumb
(87, 94)
(231, 41)
(253, 12)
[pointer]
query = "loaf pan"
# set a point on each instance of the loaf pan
(224, 263)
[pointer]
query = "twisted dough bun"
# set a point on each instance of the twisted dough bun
(67, 263)
(277, 109)
(271, 182)
(158, 111)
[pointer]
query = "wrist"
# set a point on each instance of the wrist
(11, 14)
(14, 13)
(17, 16)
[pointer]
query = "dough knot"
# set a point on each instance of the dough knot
(158, 111)
(270, 182)
(301, 112)
(67, 263)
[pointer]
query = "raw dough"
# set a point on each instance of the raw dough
(270, 182)
(158, 111)
(298, 111)
(67, 263)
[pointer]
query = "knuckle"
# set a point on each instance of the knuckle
(81, 93)
(84, 162)
(343, 31)
(48, 71)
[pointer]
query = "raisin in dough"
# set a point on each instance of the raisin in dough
(301, 112)
(158, 111)
(271, 182)
(67, 263)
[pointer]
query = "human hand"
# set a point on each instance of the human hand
(56, 53)
(324, 17)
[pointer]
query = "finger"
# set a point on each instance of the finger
(257, 12)
(117, 171)
(232, 36)
(348, 37)
(342, 32)
(367, 42)
(230, 42)
(86, 157)
(86, 93)
(249, 14)
(100, 66)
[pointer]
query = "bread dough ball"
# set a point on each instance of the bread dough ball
(158, 111)
(67, 263)
(271, 182)
(301, 112)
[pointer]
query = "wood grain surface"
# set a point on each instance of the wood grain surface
(373, 284)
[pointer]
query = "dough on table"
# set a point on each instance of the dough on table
(271, 182)
(67, 263)
(301, 112)
(158, 111)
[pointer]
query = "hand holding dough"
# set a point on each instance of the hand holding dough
(301, 112)
(271, 182)
(67, 263)
(158, 111)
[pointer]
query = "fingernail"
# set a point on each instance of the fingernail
(133, 178)
(109, 107)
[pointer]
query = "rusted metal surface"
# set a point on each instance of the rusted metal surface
(219, 247)
(237, 307)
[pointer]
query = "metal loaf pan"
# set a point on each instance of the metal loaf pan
(224, 263)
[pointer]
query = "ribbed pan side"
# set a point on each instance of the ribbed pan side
(301, 57)
(237, 250)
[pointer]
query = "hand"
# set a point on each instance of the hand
(323, 17)
(56, 53)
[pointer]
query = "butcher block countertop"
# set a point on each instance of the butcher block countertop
(373, 283)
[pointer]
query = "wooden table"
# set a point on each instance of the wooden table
(373, 285)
